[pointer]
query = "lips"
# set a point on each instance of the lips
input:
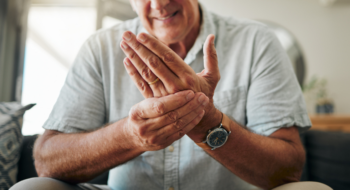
(167, 17)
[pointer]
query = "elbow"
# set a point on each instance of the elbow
(42, 169)
(283, 179)
(41, 159)
(290, 173)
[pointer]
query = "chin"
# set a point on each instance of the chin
(169, 37)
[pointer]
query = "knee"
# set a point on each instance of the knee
(39, 183)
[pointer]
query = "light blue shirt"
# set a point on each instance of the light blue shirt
(258, 89)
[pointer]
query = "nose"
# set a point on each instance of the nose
(159, 4)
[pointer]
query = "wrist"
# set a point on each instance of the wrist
(211, 119)
(128, 139)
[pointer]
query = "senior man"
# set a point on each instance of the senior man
(215, 106)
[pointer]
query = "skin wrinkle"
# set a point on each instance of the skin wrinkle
(153, 62)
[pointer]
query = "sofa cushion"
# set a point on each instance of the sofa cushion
(328, 158)
(26, 168)
(11, 116)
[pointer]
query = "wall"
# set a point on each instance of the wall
(323, 33)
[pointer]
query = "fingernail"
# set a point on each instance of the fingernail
(201, 99)
(127, 36)
(124, 46)
(126, 61)
(206, 101)
(202, 114)
(142, 38)
(189, 96)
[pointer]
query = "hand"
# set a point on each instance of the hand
(149, 59)
(155, 123)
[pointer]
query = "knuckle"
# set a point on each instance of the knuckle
(158, 107)
(179, 124)
(172, 116)
(168, 57)
(133, 113)
(146, 73)
(213, 54)
(132, 73)
(153, 44)
(173, 89)
(153, 140)
(141, 131)
(141, 86)
(137, 46)
(153, 62)
(132, 55)
(181, 133)
(190, 82)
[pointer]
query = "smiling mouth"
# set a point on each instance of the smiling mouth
(164, 18)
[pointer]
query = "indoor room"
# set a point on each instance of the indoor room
(100, 94)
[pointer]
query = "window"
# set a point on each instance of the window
(55, 35)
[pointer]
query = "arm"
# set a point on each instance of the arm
(263, 161)
(80, 157)
(153, 124)
(266, 162)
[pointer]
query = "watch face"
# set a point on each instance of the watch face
(217, 138)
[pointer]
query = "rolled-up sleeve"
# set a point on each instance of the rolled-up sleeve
(274, 97)
(80, 105)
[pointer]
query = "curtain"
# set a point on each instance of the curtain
(13, 29)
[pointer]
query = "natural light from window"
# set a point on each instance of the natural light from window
(55, 35)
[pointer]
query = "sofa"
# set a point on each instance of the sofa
(328, 159)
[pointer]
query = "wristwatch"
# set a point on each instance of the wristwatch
(218, 136)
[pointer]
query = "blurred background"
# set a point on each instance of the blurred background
(39, 40)
(56, 29)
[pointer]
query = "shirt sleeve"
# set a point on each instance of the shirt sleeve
(80, 105)
(274, 98)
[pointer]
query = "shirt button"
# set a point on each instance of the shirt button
(171, 149)
(171, 188)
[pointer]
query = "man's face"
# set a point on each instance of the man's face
(168, 20)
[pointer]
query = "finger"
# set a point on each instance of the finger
(158, 88)
(150, 59)
(185, 130)
(156, 107)
(141, 84)
(167, 55)
(210, 57)
(199, 101)
(141, 67)
(180, 124)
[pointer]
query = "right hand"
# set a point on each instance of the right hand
(156, 123)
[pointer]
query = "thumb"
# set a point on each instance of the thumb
(210, 57)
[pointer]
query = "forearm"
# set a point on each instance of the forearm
(81, 157)
(263, 161)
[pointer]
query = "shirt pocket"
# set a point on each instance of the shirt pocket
(232, 103)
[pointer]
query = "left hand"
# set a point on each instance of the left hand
(149, 59)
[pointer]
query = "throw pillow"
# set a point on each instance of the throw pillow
(11, 117)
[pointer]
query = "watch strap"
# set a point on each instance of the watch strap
(225, 124)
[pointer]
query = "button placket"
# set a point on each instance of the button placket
(171, 167)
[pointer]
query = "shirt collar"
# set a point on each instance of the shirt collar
(207, 27)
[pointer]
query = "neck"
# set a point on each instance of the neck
(182, 47)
